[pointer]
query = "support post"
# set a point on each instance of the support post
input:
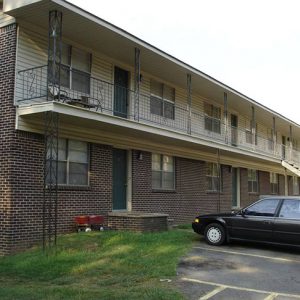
(137, 81)
(189, 102)
(274, 135)
(226, 117)
(220, 180)
(286, 185)
(291, 144)
(54, 53)
(50, 179)
(50, 197)
(253, 127)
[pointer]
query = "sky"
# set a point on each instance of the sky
(252, 46)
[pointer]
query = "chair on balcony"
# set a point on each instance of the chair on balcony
(57, 94)
(82, 101)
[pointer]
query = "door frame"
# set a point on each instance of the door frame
(238, 187)
(129, 88)
(128, 181)
(234, 130)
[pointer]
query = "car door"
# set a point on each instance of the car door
(255, 222)
(287, 224)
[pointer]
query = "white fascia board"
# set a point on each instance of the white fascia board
(70, 110)
(14, 4)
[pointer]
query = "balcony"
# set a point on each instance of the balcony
(81, 90)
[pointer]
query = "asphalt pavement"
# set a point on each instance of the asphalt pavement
(240, 271)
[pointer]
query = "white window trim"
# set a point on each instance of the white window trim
(162, 171)
(67, 161)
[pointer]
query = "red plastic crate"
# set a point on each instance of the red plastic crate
(96, 220)
(82, 220)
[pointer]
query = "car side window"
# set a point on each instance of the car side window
(266, 208)
(290, 209)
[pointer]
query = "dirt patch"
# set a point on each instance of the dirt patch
(206, 264)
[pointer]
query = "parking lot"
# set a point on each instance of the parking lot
(240, 271)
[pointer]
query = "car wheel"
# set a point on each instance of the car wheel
(214, 234)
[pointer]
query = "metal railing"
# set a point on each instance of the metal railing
(81, 89)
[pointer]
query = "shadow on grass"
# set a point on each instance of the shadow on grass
(102, 265)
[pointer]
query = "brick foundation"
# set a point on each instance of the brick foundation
(139, 222)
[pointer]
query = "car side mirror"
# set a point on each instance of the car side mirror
(243, 212)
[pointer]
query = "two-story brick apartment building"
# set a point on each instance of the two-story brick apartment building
(137, 129)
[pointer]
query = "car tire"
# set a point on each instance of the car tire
(214, 234)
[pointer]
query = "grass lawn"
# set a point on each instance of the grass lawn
(98, 265)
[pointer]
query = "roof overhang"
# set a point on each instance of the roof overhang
(99, 35)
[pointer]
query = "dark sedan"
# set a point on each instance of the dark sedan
(270, 220)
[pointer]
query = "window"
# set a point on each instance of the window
(163, 172)
(274, 183)
(252, 181)
(290, 209)
(270, 139)
(75, 69)
(266, 208)
(213, 177)
(295, 185)
(250, 130)
(212, 118)
(295, 145)
(72, 162)
(162, 100)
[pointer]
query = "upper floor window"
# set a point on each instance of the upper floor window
(162, 100)
(75, 69)
(274, 183)
(295, 144)
(163, 172)
(212, 118)
(251, 132)
(213, 177)
(72, 162)
(271, 139)
(252, 181)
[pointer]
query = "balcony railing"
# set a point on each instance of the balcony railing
(80, 89)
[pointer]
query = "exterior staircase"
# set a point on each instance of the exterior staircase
(291, 167)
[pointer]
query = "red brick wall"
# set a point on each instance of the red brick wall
(246, 197)
(27, 193)
(190, 197)
(21, 171)
(21, 177)
(7, 122)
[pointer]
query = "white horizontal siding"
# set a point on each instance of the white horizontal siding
(5, 19)
(31, 52)
(101, 69)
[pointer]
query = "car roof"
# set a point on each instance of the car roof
(279, 197)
